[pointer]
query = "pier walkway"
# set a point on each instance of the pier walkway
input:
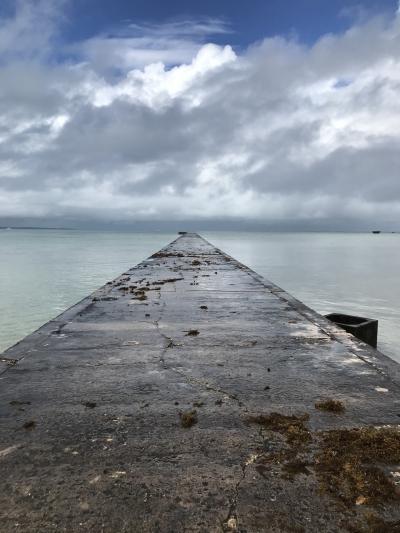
(192, 395)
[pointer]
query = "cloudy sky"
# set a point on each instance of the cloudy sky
(278, 113)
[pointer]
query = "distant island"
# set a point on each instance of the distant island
(32, 227)
(377, 231)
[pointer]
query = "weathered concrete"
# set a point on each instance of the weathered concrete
(90, 430)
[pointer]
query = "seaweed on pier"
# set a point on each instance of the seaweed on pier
(292, 427)
(374, 524)
(160, 255)
(350, 464)
(90, 405)
(332, 406)
(188, 418)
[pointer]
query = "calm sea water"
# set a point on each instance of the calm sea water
(42, 272)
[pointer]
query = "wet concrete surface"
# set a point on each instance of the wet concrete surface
(93, 406)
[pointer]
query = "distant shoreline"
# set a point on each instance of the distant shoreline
(133, 230)
(33, 227)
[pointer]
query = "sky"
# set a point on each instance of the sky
(219, 114)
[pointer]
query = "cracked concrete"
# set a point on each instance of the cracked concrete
(90, 433)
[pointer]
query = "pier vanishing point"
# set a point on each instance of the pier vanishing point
(192, 395)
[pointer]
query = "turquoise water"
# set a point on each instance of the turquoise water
(42, 272)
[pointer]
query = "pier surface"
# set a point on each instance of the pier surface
(190, 394)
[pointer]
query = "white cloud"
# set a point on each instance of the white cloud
(137, 46)
(190, 129)
(156, 86)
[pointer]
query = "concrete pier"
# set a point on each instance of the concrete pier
(190, 394)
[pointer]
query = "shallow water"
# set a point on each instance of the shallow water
(42, 272)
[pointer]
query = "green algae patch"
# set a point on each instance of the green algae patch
(331, 406)
(350, 464)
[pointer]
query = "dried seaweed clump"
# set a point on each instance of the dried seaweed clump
(292, 427)
(140, 294)
(332, 406)
(374, 524)
(293, 458)
(350, 464)
(188, 418)
(294, 467)
(29, 425)
(90, 405)
(160, 255)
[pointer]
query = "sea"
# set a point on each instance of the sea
(43, 272)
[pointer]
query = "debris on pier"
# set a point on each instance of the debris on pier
(192, 395)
